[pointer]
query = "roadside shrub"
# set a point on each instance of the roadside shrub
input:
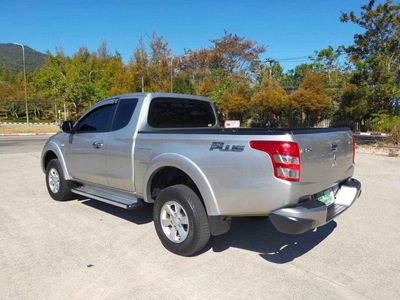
(388, 124)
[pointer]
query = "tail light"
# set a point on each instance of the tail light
(285, 157)
(354, 149)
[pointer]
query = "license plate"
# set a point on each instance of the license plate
(325, 197)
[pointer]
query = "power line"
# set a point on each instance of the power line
(293, 58)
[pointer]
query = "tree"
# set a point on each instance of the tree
(183, 85)
(376, 51)
(206, 86)
(11, 96)
(234, 103)
(81, 80)
(222, 84)
(294, 77)
(270, 104)
(231, 53)
(311, 100)
(137, 70)
(231, 73)
(50, 82)
(325, 60)
(271, 70)
(236, 53)
(381, 34)
(80, 90)
(354, 105)
(159, 68)
(119, 83)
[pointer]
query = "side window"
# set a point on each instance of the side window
(98, 120)
(124, 113)
(180, 113)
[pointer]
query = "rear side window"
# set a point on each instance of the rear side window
(124, 113)
(180, 113)
(98, 120)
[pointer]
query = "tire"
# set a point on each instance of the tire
(63, 192)
(198, 232)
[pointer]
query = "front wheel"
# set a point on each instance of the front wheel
(180, 220)
(59, 189)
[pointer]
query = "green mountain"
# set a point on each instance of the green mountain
(11, 58)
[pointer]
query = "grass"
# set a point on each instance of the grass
(14, 129)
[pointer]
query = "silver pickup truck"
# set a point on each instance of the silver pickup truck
(168, 149)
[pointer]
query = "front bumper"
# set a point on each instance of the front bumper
(312, 213)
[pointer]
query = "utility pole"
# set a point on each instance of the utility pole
(55, 112)
(25, 85)
(65, 112)
(172, 69)
(271, 62)
(270, 72)
(142, 84)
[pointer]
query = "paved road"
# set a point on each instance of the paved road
(89, 250)
(22, 144)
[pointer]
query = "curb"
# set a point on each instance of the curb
(30, 124)
(370, 133)
(27, 134)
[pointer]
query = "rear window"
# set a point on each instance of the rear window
(180, 113)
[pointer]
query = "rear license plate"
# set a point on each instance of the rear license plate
(325, 197)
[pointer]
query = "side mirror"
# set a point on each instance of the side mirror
(66, 126)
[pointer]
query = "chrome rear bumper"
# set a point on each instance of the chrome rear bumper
(312, 213)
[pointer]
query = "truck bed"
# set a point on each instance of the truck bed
(325, 159)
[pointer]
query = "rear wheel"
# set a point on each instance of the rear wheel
(180, 220)
(59, 189)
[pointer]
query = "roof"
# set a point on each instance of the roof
(156, 95)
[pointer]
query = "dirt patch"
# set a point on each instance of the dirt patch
(15, 129)
(391, 151)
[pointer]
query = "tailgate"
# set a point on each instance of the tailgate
(325, 157)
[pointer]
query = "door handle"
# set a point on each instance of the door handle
(98, 145)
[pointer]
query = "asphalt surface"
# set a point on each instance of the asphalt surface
(88, 250)
(22, 144)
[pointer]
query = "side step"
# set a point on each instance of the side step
(116, 198)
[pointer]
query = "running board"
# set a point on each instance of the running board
(116, 198)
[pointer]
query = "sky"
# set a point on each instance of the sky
(287, 28)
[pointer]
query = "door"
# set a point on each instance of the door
(86, 147)
(120, 145)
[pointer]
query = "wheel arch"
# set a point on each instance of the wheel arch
(49, 155)
(185, 167)
(50, 151)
